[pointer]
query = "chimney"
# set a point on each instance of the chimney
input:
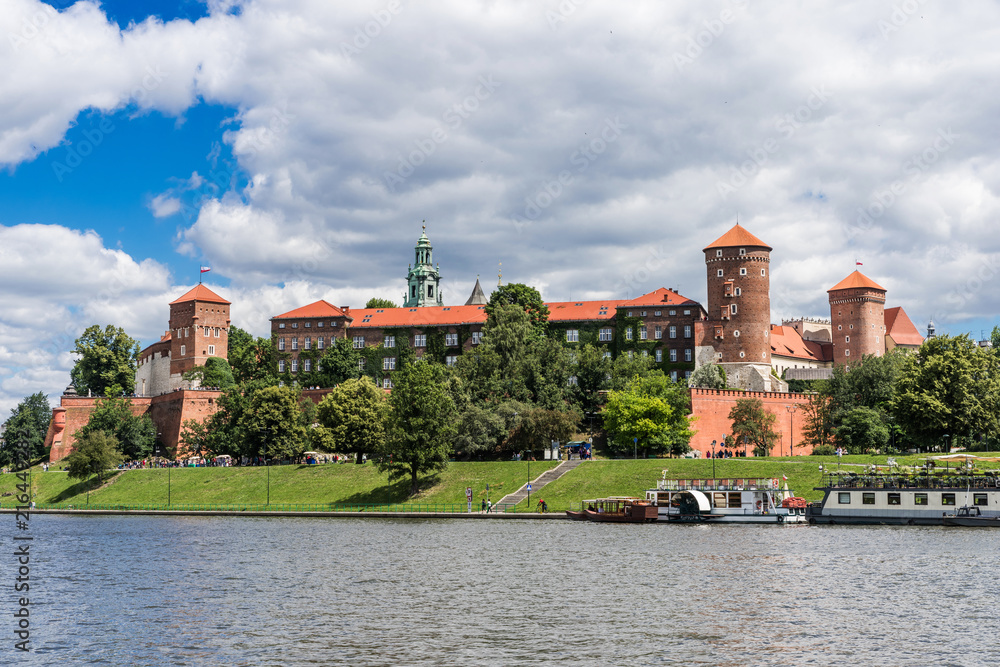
(346, 309)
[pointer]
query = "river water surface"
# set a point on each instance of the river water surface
(288, 591)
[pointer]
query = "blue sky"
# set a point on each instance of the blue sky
(295, 146)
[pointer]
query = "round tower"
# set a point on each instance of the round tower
(739, 301)
(857, 313)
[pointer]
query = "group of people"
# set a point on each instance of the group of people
(727, 454)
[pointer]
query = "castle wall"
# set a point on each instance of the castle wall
(711, 409)
(152, 375)
(75, 413)
(170, 411)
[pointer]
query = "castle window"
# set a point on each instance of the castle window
(390, 341)
(687, 330)
(738, 291)
(687, 354)
(673, 376)
(295, 365)
(211, 350)
(281, 325)
(281, 345)
(732, 308)
(656, 314)
(451, 339)
(361, 363)
(183, 350)
(295, 343)
(477, 337)
(295, 325)
(743, 251)
(718, 253)
(631, 354)
(847, 353)
(642, 332)
(307, 325)
(719, 273)
(319, 343)
(419, 340)
(319, 324)
(847, 339)
(359, 343)
(389, 363)
(673, 331)
(645, 353)
(763, 272)
(628, 333)
(572, 335)
(387, 383)
(307, 365)
(217, 330)
(659, 355)
(742, 354)
(606, 355)
(876, 339)
(430, 290)
(413, 291)
(840, 327)
(281, 365)
(207, 332)
(643, 314)
(687, 375)
(573, 381)
(604, 334)
(309, 342)
(673, 356)
(673, 312)
(451, 361)
(658, 332)
(743, 272)
(736, 334)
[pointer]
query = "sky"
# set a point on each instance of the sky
(586, 147)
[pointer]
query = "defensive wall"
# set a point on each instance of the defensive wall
(711, 407)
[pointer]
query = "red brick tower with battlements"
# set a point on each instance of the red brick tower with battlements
(857, 313)
(199, 329)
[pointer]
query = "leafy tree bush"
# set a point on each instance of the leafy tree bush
(107, 362)
(652, 409)
(135, 435)
(709, 376)
(354, 412)
(25, 430)
(93, 454)
(753, 422)
(378, 302)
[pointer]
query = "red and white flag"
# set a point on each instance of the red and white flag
(784, 478)
(857, 263)
(205, 269)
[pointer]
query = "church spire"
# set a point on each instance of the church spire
(423, 278)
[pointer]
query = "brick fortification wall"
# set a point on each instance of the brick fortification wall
(72, 415)
(711, 408)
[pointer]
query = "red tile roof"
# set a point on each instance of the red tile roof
(737, 237)
(316, 309)
(200, 293)
(660, 297)
(416, 317)
(856, 280)
(786, 342)
(900, 328)
(576, 311)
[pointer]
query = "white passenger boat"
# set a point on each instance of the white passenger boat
(726, 501)
(920, 496)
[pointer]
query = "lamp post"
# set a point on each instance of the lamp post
(944, 437)
(635, 448)
(713, 459)
(791, 428)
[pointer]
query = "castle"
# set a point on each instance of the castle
(678, 334)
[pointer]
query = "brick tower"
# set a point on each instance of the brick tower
(199, 329)
(737, 331)
(857, 313)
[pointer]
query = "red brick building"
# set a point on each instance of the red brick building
(857, 315)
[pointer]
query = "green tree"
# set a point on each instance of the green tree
(421, 424)
(949, 387)
(355, 413)
(652, 409)
(527, 298)
(818, 428)
(379, 302)
(548, 367)
(134, 434)
(709, 376)
(25, 430)
(754, 424)
(497, 370)
(479, 431)
(273, 423)
(216, 373)
(252, 359)
(537, 427)
(196, 437)
(339, 363)
(863, 430)
(593, 375)
(107, 362)
(93, 454)
(627, 368)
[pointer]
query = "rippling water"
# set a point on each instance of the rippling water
(278, 591)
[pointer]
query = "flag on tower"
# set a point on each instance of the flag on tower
(205, 269)
(857, 263)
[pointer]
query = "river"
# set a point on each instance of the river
(120, 590)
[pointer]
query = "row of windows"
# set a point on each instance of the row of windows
(419, 340)
(185, 332)
(307, 343)
(306, 325)
(868, 498)
(743, 251)
(210, 352)
(657, 332)
(743, 272)
(657, 313)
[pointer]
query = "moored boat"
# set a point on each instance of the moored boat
(726, 500)
(618, 509)
(972, 517)
(920, 496)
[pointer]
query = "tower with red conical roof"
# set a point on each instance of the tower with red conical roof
(857, 315)
(199, 329)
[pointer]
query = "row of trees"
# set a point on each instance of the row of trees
(945, 394)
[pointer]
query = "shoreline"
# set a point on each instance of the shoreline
(287, 513)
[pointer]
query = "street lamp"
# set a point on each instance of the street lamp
(791, 428)
(713, 459)
(943, 437)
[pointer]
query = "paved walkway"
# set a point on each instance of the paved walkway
(539, 482)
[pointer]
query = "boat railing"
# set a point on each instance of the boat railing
(867, 481)
(718, 484)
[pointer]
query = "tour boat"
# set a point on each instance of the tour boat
(617, 509)
(922, 496)
(726, 500)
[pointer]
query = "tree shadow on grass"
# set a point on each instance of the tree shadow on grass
(397, 492)
(80, 488)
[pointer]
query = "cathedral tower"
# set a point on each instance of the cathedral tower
(857, 313)
(423, 279)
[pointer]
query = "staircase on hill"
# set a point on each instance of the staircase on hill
(539, 482)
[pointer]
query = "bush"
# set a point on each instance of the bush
(824, 450)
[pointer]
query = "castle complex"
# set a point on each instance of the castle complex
(676, 332)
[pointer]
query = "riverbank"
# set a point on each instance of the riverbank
(289, 513)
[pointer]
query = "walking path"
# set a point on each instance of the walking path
(539, 482)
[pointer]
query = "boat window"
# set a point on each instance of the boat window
(736, 499)
(719, 500)
(894, 499)
(947, 498)
(980, 499)
(844, 498)
(867, 498)
(919, 498)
